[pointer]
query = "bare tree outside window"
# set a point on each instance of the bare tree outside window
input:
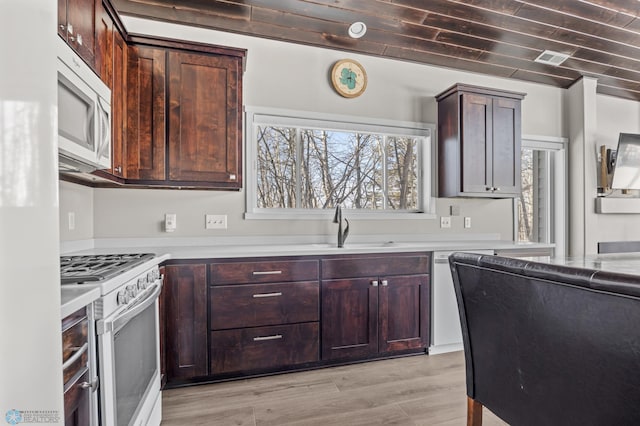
(317, 169)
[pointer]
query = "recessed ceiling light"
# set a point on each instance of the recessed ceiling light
(550, 57)
(357, 29)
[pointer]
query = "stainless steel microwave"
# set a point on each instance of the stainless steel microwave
(84, 115)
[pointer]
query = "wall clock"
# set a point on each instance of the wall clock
(349, 78)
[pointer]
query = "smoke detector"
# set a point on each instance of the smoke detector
(357, 29)
(549, 57)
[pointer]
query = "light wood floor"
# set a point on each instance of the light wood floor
(419, 390)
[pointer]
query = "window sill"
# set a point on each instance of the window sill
(328, 215)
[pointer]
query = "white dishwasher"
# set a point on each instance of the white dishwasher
(446, 334)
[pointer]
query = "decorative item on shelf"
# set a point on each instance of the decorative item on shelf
(349, 78)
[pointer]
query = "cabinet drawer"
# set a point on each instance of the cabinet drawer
(267, 271)
(262, 348)
(75, 346)
(375, 265)
(77, 403)
(263, 304)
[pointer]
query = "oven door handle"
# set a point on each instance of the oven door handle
(113, 326)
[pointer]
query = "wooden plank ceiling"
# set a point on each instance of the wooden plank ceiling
(495, 37)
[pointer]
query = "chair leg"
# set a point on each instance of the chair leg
(474, 412)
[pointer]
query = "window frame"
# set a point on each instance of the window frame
(556, 199)
(255, 116)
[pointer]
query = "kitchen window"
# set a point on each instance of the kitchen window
(305, 164)
(540, 210)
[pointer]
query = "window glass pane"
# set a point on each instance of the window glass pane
(304, 166)
(402, 175)
(533, 212)
(276, 167)
(341, 167)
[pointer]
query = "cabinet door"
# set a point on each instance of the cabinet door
(81, 15)
(118, 105)
(349, 318)
(204, 119)
(185, 321)
(104, 44)
(62, 18)
(476, 131)
(146, 135)
(506, 146)
(404, 313)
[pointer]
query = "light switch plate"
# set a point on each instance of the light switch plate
(445, 222)
(467, 222)
(215, 221)
(170, 222)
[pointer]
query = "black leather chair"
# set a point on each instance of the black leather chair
(548, 344)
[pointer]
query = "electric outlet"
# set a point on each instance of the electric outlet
(72, 221)
(170, 224)
(215, 221)
(467, 222)
(445, 222)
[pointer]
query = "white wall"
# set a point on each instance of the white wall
(30, 337)
(78, 200)
(296, 77)
(616, 116)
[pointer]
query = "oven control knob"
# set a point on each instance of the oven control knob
(142, 284)
(150, 277)
(123, 297)
(132, 291)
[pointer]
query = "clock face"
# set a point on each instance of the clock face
(349, 78)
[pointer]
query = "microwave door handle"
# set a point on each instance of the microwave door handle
(105, 132)
(91, 129)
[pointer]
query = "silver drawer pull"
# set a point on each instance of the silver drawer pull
(263, 338)
(78, 353)
(259, 295)
(267, 272)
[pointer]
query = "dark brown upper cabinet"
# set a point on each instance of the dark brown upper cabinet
(204, 119)
(77, 25)
(145, 114)
(184, 122)
(479, 137)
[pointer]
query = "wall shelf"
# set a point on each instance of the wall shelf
(618, 205)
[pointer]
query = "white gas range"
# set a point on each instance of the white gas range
(127, 332)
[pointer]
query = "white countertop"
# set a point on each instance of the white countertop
(77, 297)
(204, 249)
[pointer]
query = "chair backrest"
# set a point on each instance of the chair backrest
(549, 344)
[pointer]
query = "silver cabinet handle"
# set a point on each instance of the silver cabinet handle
(76, 356)
(496, 189)
(374, 283)
(117, 169)
(259, 295)
(90, 385)
(263, 338)
(267, 272)
(62, 27)
(385, 283)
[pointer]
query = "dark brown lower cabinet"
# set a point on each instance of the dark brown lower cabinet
(259, 348)
(349, 318)
(364, 317)
(242, 317)
(185, 324)
(375, 315)
(403, 313)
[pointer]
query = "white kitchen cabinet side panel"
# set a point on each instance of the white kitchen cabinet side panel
(446, 333)
(30, 334)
